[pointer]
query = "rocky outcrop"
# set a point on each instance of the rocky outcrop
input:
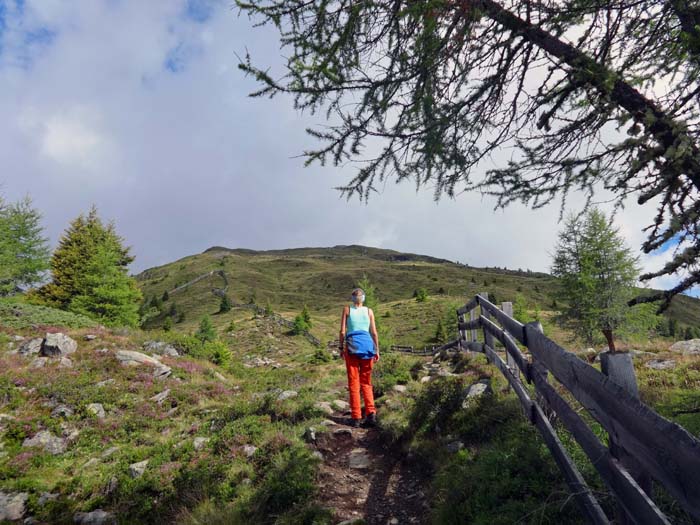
(96, 517)
(476, 391)
(31, 346)
(97, 410)
(46, 440)
(133, 358)
(160, 348)
(12, 506)
(690, 347)
(136, 470)
(58, 345)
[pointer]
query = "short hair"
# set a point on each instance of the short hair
(358, 290)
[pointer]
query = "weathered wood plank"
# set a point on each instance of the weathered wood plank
(488, 338)
(589, 505)
(467, 307)
(511, 347)
(633, 498)
(472, 317)
(447, 346)
(469, 325)
(511, 326)
(664, 449)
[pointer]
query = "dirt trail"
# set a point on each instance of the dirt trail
(360, 478)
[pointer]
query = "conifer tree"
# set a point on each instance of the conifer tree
(206, 330)
(225, 304)
(440, 332)
(597, 273)
(24, 252)
(108, 293)
(84, 238)
(166, 296)
(306, 315)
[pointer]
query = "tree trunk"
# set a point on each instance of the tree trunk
(609, 338)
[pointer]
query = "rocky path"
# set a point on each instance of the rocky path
(361, 479)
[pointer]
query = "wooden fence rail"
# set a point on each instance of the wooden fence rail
(642, 442)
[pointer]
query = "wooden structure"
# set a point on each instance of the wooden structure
(643, 444)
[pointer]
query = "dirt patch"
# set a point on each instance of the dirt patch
(361, 478)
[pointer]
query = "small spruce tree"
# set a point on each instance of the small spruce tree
(206, 330)
(225, 304)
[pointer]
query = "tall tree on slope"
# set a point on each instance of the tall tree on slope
(587, 95)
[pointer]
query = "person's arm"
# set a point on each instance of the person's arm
(341, 339)
(373, 333)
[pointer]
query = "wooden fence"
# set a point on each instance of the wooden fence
(426, 350)
(642, 444)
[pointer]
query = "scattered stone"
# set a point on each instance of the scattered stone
(425, 379)
(287, 394)
(476, 391)
(58, 345)
(310, 435)
(12, 506)
(342, 432)
(62, 411)
(661, 364)
(105, 382)
(171, 412)
(46, 440)
(90, 462)
(65, 363)
(90, 337)
(69, 432)
(200, 442)
(399, 388)
(636, 354)
(45, 497)
(249, 450)
(112, 485)
(133, 358)
(393, 521)
(455, 446)
(329, 423)
(358, 459)
(96, 517)
(325, 407)
(102, 351)
(31, 347)
(30, 520)
(97, 410)
(38, 362)
(220, 376)
(690, 347)
(161, 348)
(353, 521)
(159, 398)
(317, 454)
(17, 338)
(341, 404)
(109, 452)
(136, 470)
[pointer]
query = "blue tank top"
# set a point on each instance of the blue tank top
(358, 319)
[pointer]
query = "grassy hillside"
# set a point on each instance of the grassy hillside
(322, 278)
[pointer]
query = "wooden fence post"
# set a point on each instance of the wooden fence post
(472, 317)
(618, 366)
(488, 338)
(507, 308)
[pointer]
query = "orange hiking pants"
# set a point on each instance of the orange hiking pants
(360, 379)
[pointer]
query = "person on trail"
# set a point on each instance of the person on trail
(359, 346)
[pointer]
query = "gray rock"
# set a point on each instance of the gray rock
(62, 411)
(249, 450)
(399, 388)
(136, 470)
(159, 398)
(220, 376)
(38, 362)
(109, 452)
(97, 410)
(342, 432)
(661, 364)
(58, 345)
(105, 382)
(476, 391)
(90, 337)
(455, 446)
(96, 517)
(690, 347)
(358, 459)
(341, 405)
(45, 497)
(31, 347)
(46, 440)
(636, 354)
(160, 348)
(112, 485)
(12, 505)
(317, 454)
(132, 358)
(90, 462)
(287, 394)
(200, 442)
(310, 435)
(425, 379)
(65, 363)
(17, 338)
(325, 407)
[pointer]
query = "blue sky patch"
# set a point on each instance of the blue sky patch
(199, 10)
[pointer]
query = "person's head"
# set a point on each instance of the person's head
(358, 296)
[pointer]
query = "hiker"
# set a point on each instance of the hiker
(359, 346)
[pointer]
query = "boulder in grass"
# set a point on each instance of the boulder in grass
(12, 506)
(136, 470)
(132, 358)
(31, 347)
(476, 391)
(97, 410)
(690, 347)
(161, 348)
(661, 364)
(95, 517)
(46, 440)
(58, 345)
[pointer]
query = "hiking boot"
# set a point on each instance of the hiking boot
(370, 420)
(355, 423)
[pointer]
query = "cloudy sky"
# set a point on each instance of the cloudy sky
(139, 108)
